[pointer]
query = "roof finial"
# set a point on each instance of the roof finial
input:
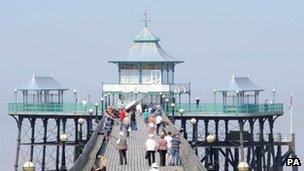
(146, 20)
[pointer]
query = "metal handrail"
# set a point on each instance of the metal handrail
(66, 107)
(87, 158)
(209, 108)
(189, 159)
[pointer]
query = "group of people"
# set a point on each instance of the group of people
(128, 123)
(167, 144)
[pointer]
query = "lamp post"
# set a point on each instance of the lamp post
(162, 100)
(210, 139)
(15, 105)
(75, 98)
(181, 111)
(174, 95)
(172, 106)
(273, 95)
(29, 166)
(106, 100)
(63, 139)
(214, 94)
(197, 100)
(15, 91)
(183, 123)
(237, 97)
(135, 93)
(80, 122)
(91, 111)
(167, 105)
(179, 99)
(101, 100)
(109, 99)
(193, 121)
(96, 112)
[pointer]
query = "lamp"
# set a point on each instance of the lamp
(80, 122)
(167, 105)
(102, 107)
(211, 138)
(243, 166)
(181, 111)
(63, 137)
(193, 121)
(91, 111)
(273, 94)
(29, 166)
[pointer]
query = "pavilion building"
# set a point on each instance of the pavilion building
(146, 69)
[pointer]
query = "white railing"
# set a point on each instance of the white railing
(146, 88)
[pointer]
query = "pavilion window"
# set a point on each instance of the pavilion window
(129, 76)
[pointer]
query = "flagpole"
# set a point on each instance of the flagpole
(291, 114)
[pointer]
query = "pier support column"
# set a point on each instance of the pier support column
(278, 158)
(183, 124)
(32, 121)
(45, 123)
(76, 149)
(236, 159)
(89, 127)
(227, 149)
(260, 149)
(58, 142)
(271, 140)
(206, 149)
(251, 158)
(241, 123)
(216, 150)
(19, 125)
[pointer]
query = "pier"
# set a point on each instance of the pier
(235, 132)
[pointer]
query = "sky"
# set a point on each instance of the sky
(73, 40)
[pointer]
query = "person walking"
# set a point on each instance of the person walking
(175, 146)
(126, 123)
(150, 150)
(139, 109)
(168, 138)
(107, 126)
(122, 148)
(133, 120)
(122, 115)
(158, 121)
(162, 149)
(146, 116)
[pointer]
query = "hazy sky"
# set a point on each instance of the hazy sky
(73, 40)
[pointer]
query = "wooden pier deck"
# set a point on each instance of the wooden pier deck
(135, 153)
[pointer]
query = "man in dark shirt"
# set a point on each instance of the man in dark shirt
(133, 121)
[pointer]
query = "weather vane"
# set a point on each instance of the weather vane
(146, 20)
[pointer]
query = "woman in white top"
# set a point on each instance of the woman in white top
(150, 149)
